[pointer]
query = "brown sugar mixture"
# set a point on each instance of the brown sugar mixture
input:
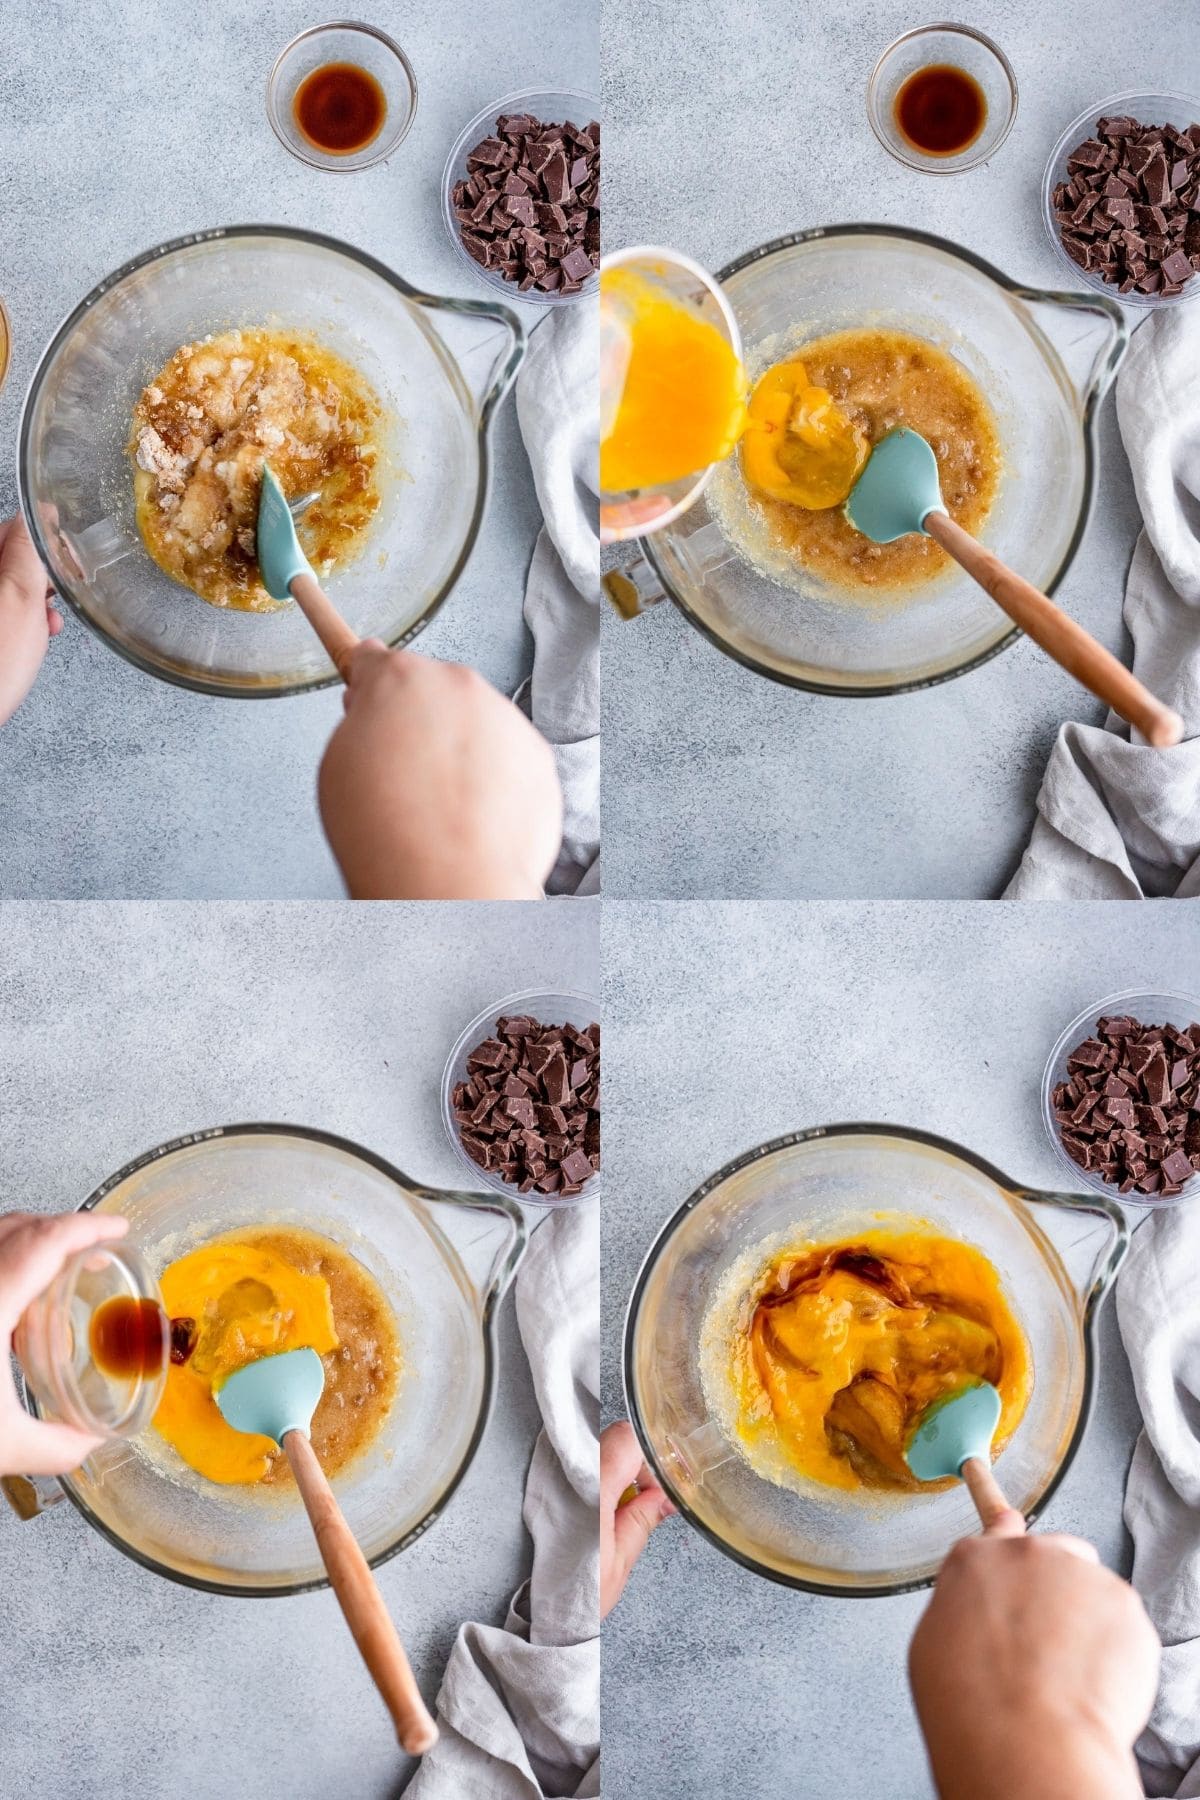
(203, 429)
(881, 380)
(258, 1293)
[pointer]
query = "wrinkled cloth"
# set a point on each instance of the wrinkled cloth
(1115, 819)
(556, 409)
(1160, 1328)
(519, 1707)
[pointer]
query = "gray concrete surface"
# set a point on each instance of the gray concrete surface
(726, 1025)
(122, 125)
(728, 125)
(121, 1026)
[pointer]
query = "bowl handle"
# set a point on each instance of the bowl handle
(633, 589)
(508, 346)
(31, 1495)
(505, 1259)
(1107, 1260)
(1107, 358)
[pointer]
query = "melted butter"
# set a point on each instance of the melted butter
(847, 1344)
(682, 403)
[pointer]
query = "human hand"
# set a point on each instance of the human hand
(626, 1519)
(27, 619)
(32, 1251)
(1033, 1671)
(435, 787)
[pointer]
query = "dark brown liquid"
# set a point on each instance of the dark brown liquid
(339, 108)
(940, 110)
(127, 1337)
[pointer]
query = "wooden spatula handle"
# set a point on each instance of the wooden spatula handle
(336, 636)
(360, 1601)
(1058, 634)
(986, 1492)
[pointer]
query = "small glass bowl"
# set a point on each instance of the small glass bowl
(1150, 1009)
(369, 49)
(53, 1344)
(548, 1009)
(551, 109)
(929, 46)
(1150, 109)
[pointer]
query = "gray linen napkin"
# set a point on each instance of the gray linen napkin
(1160, 1328)
(520, 1706)
(557, 411)
(1117, 820)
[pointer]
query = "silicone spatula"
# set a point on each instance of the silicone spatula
(286, 571)
(276, 1397)
(899, 493)
(954, 1437)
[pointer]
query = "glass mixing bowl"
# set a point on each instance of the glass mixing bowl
(76, 478)
(819, 1184)
(1044, 397)
(414, 1240)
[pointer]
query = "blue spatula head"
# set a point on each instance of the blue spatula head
(274, 1395)
(897, 490)
(280, 558)
(961, 1426)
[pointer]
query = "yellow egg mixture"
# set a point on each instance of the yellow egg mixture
(258, 1292)
(813, 420)
(840, 1347)
(202, 430)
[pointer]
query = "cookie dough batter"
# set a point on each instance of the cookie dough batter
(840, 1347)
(256, 1293)
(202, 430)
(877, 381)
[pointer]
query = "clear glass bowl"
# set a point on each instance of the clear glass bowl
(962, 48)
(552, 109)
(633, 516)
(367, 48)
(53, 1344)
(1151, 1009)
(833, 1181)
(76, 478)
(550, 1009)
(1044, 390)
(1150, 109)
(244, 1540)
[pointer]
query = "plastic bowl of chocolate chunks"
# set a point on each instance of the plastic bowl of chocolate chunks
(521, 1098)
(521, 196)
(1121, 1098)
(1121, 198)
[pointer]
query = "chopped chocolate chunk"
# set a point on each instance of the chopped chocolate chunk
(529, 1111)
(1128, 1111)
(1124, 212)
(529, 207)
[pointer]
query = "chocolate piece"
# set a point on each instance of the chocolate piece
(529, 208)
(529, 1111)
(1124, 212)
(1128, 1109)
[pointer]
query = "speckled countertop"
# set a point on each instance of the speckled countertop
(729, 125)
(123, 1026)
(727, 1025)
(121, 126)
